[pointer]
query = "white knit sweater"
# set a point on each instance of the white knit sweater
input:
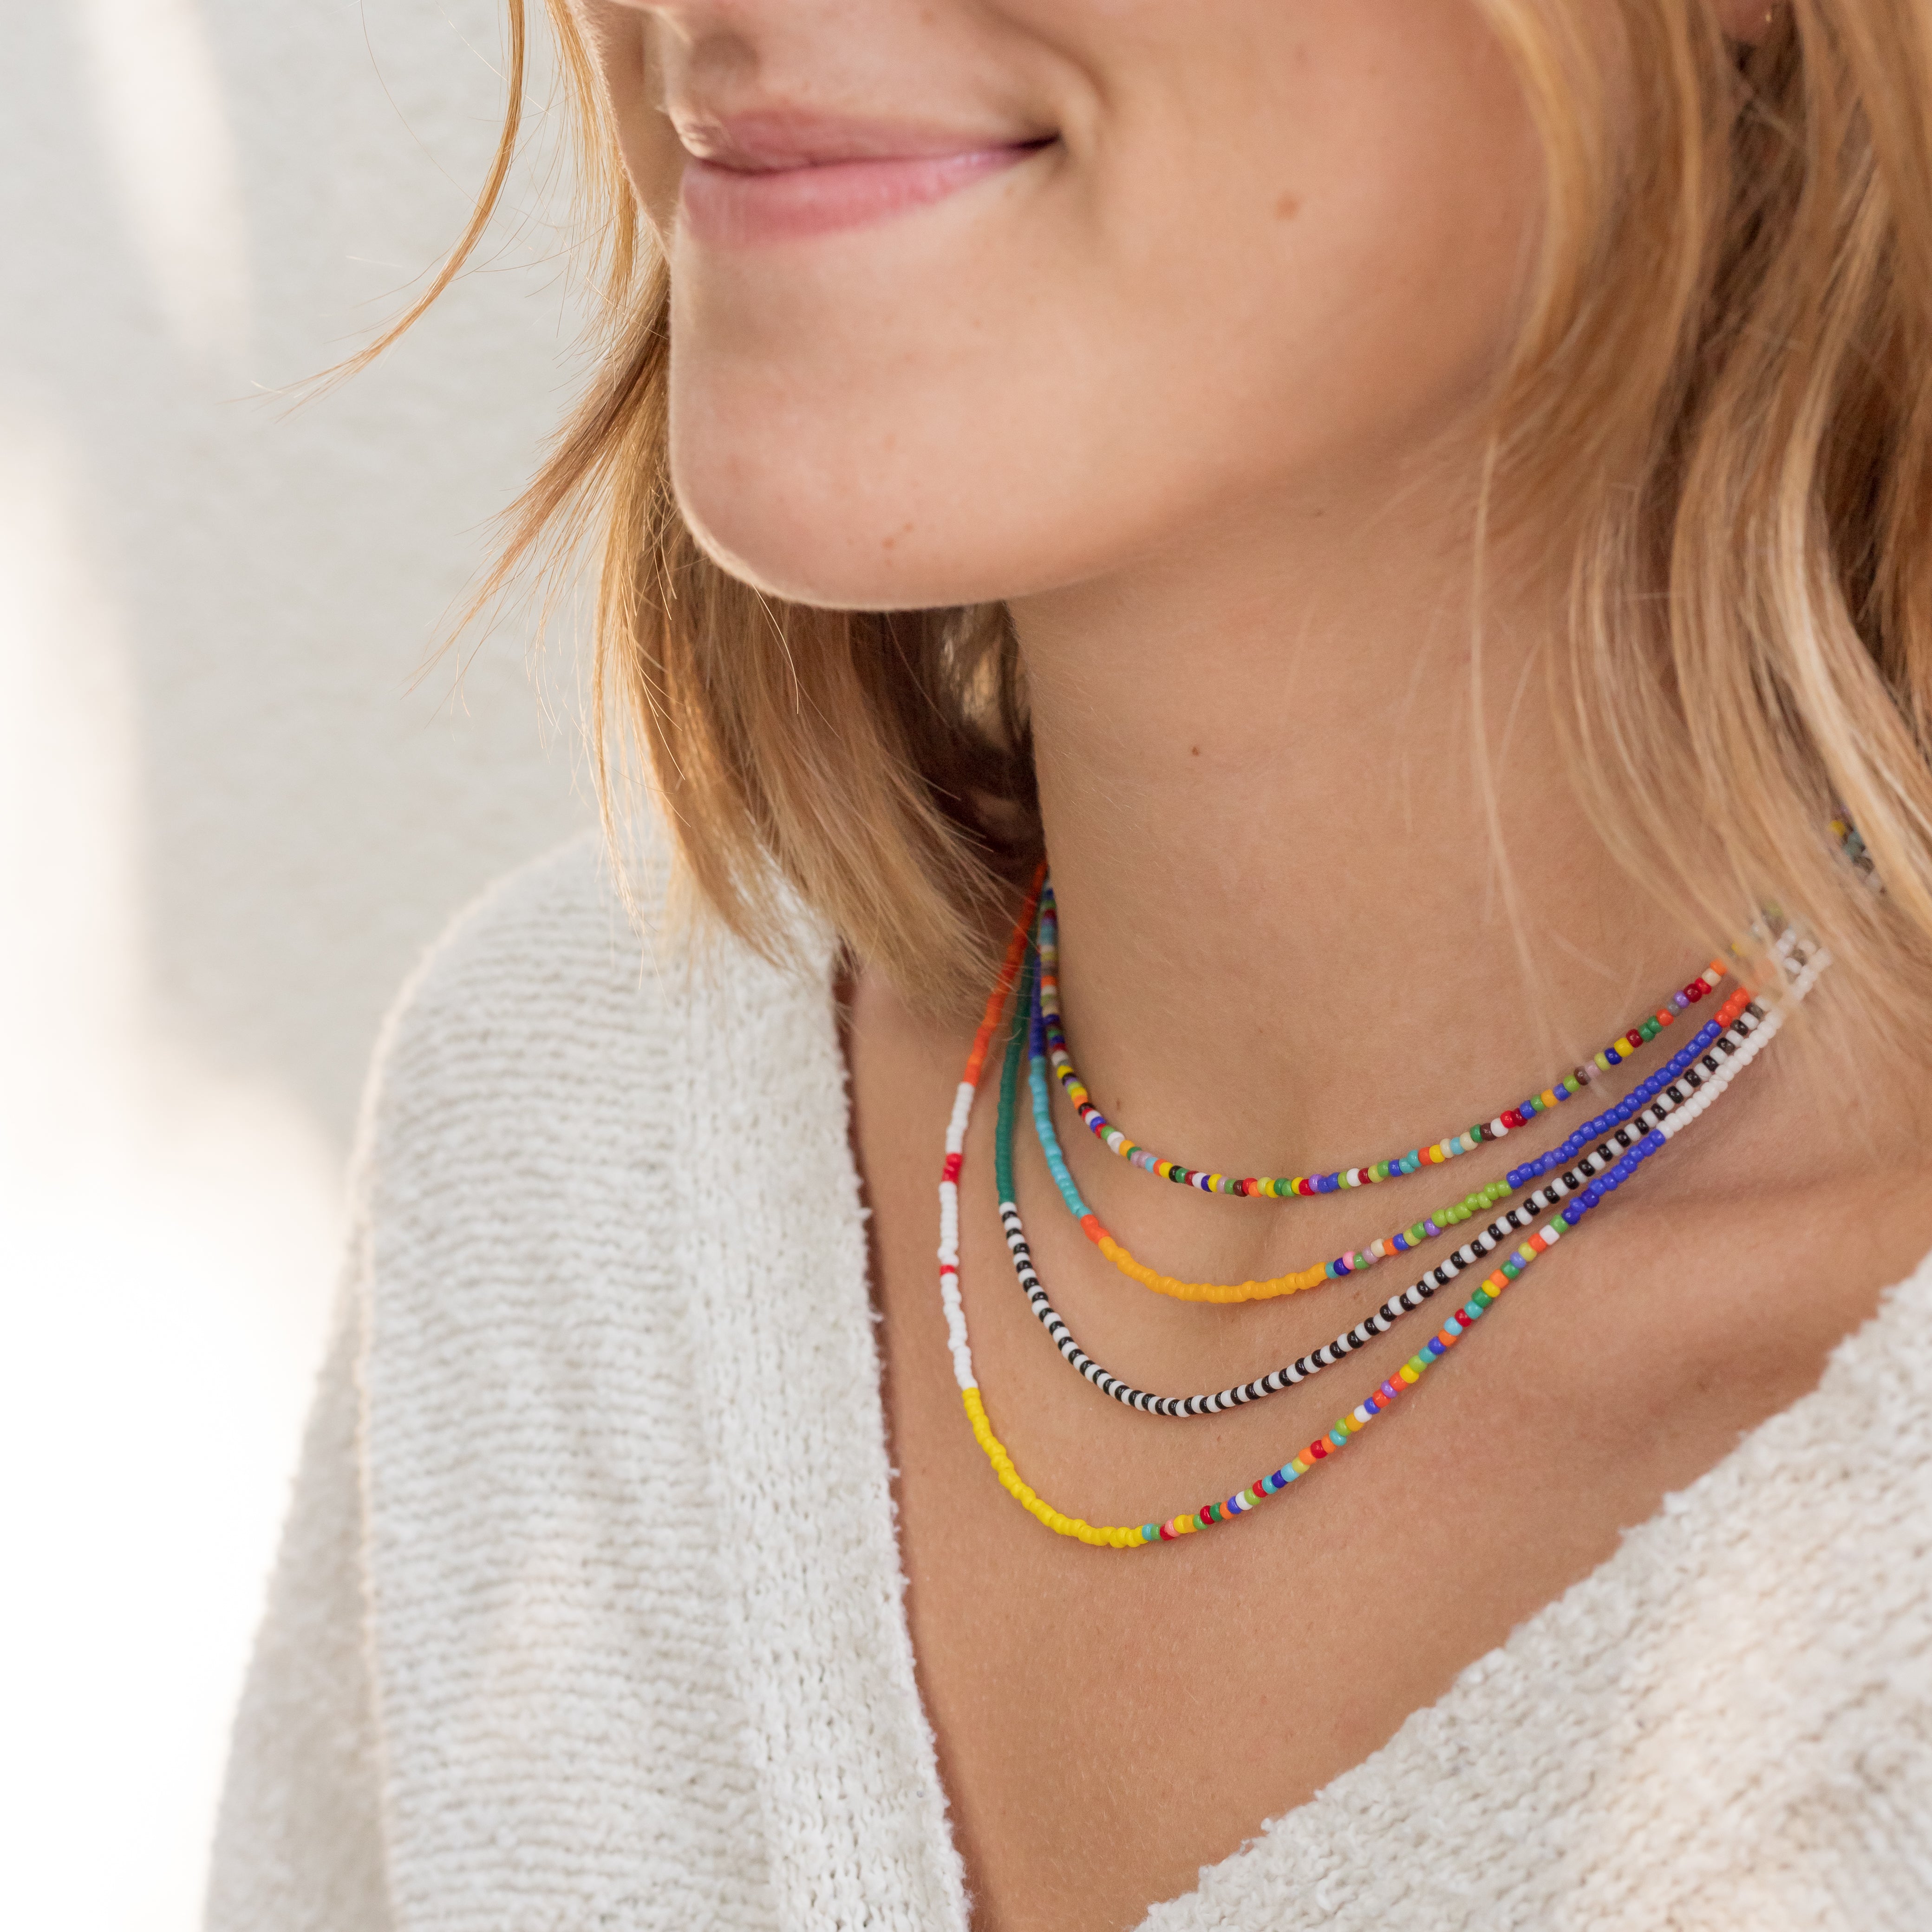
(588, 1610)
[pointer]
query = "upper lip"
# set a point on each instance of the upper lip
(765, 140)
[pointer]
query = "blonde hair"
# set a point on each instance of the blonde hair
(1718, 402)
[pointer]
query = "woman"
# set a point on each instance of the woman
(1416, 512)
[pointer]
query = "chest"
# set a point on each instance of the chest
(1108, 1722)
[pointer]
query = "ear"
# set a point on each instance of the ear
(1745, 21)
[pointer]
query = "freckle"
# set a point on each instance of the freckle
(1194, 751)
(1288, 207)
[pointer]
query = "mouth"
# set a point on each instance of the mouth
(773, 177)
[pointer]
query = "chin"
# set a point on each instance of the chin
(848, 536)
(802, 554)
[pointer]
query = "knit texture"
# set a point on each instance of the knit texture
(588, 1611)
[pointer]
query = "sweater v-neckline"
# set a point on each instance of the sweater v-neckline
(842, 1740)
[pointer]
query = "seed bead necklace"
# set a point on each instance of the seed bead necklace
(1624, 1125)
(1283, 1186)
(1403, 1241)
(1346, 1427)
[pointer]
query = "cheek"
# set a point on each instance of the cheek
(1273, 255)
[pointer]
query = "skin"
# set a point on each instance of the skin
(1193, 389)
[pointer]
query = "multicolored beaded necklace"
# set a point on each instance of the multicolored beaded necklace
(1404, 1241)
(1624, 1125)
(1742, 1031)
(1033, 1017)
(1304, 1185)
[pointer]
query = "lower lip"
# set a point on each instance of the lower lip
(735, 208)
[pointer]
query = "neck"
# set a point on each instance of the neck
(1300, 927)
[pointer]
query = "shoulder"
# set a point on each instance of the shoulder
(558, 1027)
(512, 1105)
(560, 959)
(553, 980)
(522, 955)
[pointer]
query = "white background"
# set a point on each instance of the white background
(234, 807)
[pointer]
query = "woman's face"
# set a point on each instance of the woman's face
(973, 298)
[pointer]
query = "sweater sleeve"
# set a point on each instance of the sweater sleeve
(298, 1840)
